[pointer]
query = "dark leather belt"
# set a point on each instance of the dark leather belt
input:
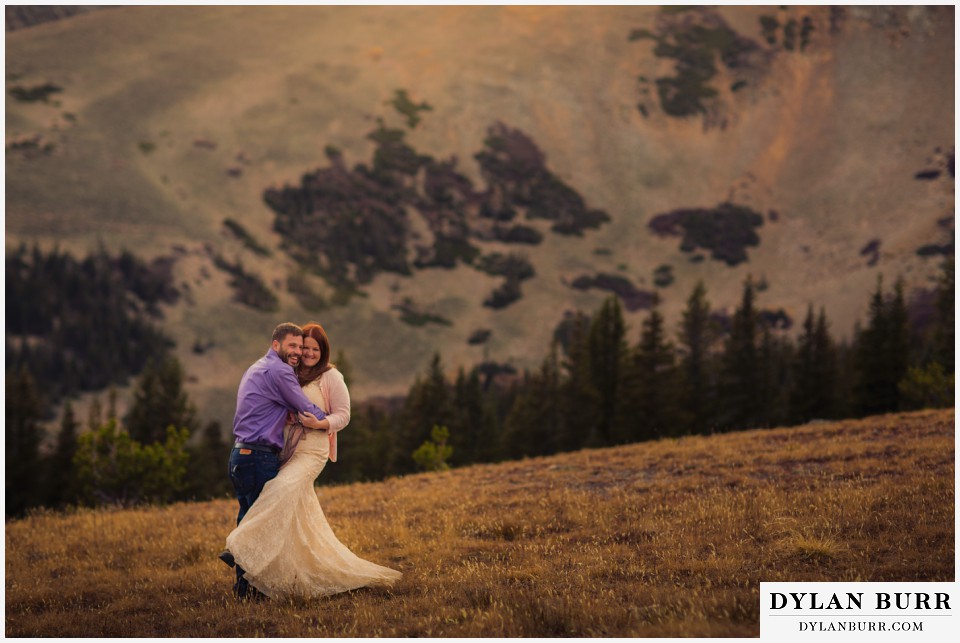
(255, 447)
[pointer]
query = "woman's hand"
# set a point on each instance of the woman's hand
(310, 421)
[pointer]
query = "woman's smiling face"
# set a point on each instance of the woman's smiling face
(311, 352)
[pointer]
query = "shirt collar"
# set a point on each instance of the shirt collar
(272, 355)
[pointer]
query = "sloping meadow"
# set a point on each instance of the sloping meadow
(668, 538)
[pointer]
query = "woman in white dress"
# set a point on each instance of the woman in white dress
(284, 543)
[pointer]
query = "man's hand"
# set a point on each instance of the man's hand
(310, 420)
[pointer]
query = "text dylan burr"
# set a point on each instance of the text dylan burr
(854, 601)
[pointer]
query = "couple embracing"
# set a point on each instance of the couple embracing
(291, 404)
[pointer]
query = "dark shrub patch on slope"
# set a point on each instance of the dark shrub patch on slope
(515, 169)
(726, 230)
(632, 297)
(348, 225)
(695, 41)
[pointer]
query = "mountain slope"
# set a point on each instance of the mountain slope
(168, 120)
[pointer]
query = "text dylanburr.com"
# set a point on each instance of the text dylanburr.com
(858, 611)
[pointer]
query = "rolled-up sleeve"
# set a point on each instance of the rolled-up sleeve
(339, 398)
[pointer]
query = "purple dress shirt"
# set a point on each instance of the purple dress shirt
(268, 390)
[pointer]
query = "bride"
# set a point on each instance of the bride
(284, 543)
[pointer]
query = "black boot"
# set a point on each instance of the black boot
(227, 557)
(241, 590)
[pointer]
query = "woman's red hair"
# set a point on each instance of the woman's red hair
(307, 375)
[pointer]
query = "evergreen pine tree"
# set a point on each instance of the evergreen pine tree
(467, 431)
(883, 352)
(365, 445)
(652, 390)
(466, 412)
(206, 474)
(94, 414)
(898, 343)
(112, 403)
(143, 421)
(606, 352)
(22, 436)
(534, 425)
(846, 383)
(870, 346)
(740, 374)
(427, 404)
(814, 392)
(159, 401)
(697, 337)
(828, 363)
(61, 481)
(579, 396)
(944, 341)
(774, 357)
(802, 396)
(491, 445)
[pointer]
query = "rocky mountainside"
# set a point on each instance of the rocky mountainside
(456, 179)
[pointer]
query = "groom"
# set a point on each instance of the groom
(268, 392)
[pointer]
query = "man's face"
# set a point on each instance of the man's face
(289, 349)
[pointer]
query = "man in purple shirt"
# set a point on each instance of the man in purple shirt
(268, 392)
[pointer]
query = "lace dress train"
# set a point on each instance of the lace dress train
(284, 543)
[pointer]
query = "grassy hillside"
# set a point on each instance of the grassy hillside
(657, 539)
(169, 120)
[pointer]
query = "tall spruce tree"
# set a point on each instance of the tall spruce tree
(365, 445)
(579, 396)
(159, 401)
(898, 342)
(846, 385)
(607, 350)
(698, 334)
(882, 352)
(94, 414)
(61, 479)
(206, 476)
(143, 419)
(428, 403)
(377, 452)
(805, 385)
(814, 390)
(774, 359)
(828, 361)
(740, 374)
(534, 425)
(944, 339)
(112, 403)
(652, 390)
(22, 436)
(467, 430)
(870, 363)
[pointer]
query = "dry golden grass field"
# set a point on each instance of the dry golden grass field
(670, 538)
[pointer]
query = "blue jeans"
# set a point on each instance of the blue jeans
(249, 472)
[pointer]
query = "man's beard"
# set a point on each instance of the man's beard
(290, 358)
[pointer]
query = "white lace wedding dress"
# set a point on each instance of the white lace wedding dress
(284, 543)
